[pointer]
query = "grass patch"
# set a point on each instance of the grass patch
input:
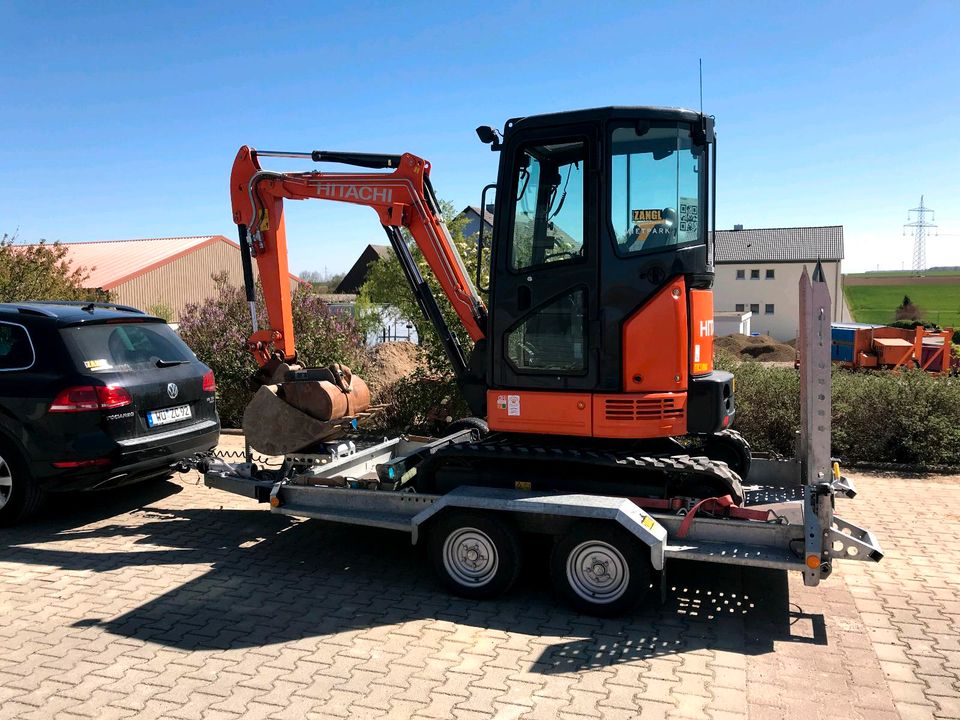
(901, 273)
(877, 303)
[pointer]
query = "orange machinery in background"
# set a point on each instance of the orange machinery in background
(858, 345)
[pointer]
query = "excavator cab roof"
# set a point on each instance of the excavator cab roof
(602, 114)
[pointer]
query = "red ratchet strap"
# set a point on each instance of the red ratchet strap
(718, 506)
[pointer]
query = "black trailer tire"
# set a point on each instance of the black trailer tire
(476, 556)
(479, 425)
(600, 569)
(19, 495)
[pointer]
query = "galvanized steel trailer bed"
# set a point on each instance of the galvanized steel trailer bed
(603, 537)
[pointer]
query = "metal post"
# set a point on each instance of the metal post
(815, 413)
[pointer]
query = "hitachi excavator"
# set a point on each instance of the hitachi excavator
(599, 421)
(596, 345)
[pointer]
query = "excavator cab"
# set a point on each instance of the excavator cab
(600, 309)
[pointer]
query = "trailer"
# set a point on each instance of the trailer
(607, 551)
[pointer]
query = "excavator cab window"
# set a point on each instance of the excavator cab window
(656, 190)
(549, 218)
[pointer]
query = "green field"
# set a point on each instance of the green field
(939, 304)
(901, 273)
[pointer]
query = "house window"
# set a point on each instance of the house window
(754, 274)
(739, 307)
(770, 274)
(755, 307)
(741, 274)
(768, 309)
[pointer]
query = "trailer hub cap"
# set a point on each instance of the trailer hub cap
(470, 557)
(597, 572)
(6, 482)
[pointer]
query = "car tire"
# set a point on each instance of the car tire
(20, 497)
(626, 569)
(476, 556)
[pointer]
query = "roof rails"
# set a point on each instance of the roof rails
(90, 305)
(27, 310)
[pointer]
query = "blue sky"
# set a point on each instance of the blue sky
(121, 120)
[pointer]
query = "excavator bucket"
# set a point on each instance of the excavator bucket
(312, 406)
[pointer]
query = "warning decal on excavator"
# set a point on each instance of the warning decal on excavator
(510, 403)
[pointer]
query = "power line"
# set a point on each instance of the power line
(919, 225)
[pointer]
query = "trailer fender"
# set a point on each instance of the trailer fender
(523, 504)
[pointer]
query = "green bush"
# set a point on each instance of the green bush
(217, 330)
(419, 404)
(910, 417)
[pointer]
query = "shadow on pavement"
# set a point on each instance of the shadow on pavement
(274, 580)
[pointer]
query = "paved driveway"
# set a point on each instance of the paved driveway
(172, 600)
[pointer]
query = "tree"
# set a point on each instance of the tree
(41, 272)
(323, 282)
(386, 285)
(428, 399)
(217, 330)
(907, 310)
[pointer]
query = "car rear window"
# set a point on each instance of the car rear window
(124, 346)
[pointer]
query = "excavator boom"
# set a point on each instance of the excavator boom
(402, 198)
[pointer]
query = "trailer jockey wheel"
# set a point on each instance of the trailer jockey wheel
(601, 569)
(476, 556)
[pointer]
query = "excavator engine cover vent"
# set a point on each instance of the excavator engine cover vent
(630, 409)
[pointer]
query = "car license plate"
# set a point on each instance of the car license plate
(168, 415)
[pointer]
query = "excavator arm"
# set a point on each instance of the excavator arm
(403, 198)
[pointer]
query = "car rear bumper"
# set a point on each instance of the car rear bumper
(132, 460)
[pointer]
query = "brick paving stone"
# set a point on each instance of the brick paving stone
(173, 601)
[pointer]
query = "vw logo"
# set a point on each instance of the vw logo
(172, 390)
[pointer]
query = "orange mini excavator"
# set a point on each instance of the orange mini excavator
(592, 362)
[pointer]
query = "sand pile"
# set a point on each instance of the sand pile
(389, 362)
(756, 347)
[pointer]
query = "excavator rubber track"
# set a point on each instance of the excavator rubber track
(497, 462)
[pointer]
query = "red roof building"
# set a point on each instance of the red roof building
(160, 273)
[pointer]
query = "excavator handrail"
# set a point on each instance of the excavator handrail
(403, 198)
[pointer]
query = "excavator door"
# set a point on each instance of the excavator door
(544, 285)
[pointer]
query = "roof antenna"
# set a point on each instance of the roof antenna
(701, 86)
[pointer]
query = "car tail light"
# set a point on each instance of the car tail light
(113, 396)
(209, 382)
(90, 397)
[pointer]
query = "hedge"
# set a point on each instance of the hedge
(910, 417)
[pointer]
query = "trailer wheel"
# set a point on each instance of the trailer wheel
(600, 569)
(476, 556)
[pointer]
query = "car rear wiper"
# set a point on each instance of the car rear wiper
(170, 363)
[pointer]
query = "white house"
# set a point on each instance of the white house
(758, 271)
(731, 323)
